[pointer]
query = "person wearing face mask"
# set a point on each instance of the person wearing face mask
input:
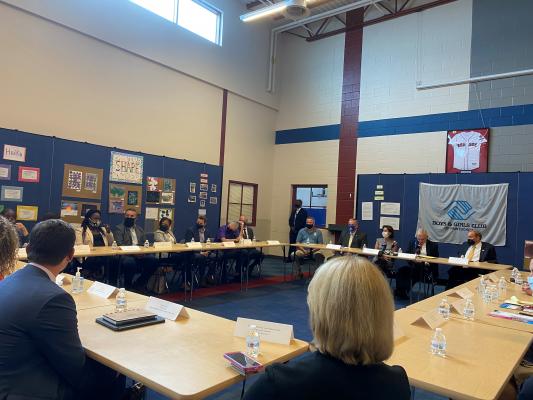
(296, 223)
(130, 234)
(202, 261)
(473, 250)
(22, 231)
(384, 244)
(253, 256)
(308, 235)
(164, 233)
(351, 236)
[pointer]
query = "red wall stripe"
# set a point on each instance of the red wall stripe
(223, 126)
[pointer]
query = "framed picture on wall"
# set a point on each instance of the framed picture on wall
(467, 151)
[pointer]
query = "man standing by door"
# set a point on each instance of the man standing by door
(296, 222)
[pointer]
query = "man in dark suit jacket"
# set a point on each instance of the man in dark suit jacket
(253, 256)
(296, 222)
(41, 356)
(129, 234)
(415, 271)
(351, 236)
(473, 250)
(203, 260)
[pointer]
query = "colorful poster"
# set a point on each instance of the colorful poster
(133, 198)
(11, 193)
(29, 174)
(27, 213)
(213, 200)
(74, 180)
(467, 151)
(122, 197)
(5, 172)
(166, 212)
(69, 209)
(153, 197)
(167, 198)
(168, 184)
(116, 206)
(82, 182)
(14, 153)
(91, 182)
(153, 184)
(126, 168)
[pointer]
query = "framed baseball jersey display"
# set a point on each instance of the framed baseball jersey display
(467, 151)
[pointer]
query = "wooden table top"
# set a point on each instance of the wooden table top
(436, 260)
(181, 359)
(479, 360)
(481, 309)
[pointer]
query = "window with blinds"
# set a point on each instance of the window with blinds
(242, 200)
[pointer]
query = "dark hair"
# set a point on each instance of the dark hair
(86, 221)
(390, 229)
(5, 211)
(165, 219)
(202, 217)
(50, 242)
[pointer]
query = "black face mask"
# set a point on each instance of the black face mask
(199, 226)
(164, 228)
(95, 224)
(470, 242)
(309, 226)
(129, 222)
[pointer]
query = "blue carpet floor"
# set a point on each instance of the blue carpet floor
(284, 303)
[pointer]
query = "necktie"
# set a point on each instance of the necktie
(470, 253)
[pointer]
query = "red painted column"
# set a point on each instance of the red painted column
(351, 89)
(223, 127)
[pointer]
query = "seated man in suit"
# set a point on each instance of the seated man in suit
(253, 256)
(308, 235)
(473, 250)
(130, 234)
(231, 233)
(201, 259)
(417, 270)
(351, 236)
(41, 356)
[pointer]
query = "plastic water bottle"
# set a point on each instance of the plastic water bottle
(121, 303)
(438, 343)
(482, 285)
(502, 288)
(307, 240)
(444, 309)
(253, 341)
(192, 240)
(77, 282)
(400, 250)
(518, 279)
(468, 311)
(514, 273)
(146, 243)
(208, 242)
(114, 246)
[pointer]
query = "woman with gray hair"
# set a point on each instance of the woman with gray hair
(351, 316)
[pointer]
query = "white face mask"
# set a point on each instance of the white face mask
(385, 234)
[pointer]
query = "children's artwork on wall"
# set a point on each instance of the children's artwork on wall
(153, 197)
(122, 197)
(29, 174)
(152, 213)
(191, 199)
(14, 153)
(160, 190)
(213, 188)
(204, 187)
(82, 182)
(166, 212)
(27, 213)
(116, 206)
(202, 203)
(126, 168)
(133, 200)
(11, 193)
(203, 195)
(192, 187)
(167, 198)
(213, 200)
(169, 184)
(70, 211)
(5, 172)
(152, 184)
(88, 206)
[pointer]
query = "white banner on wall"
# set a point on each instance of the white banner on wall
(448, 212)
(126, 168)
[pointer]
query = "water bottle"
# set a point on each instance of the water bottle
(77, 282)
(192, 240)
(514, 273)
(208, 242)
(364, 246)
(121, 303)
(438, 343)
(114, 246)
(146, 244)
(444, 309)
(518, 279)
(482, 285)
(502, 288)
(400, 250)
(307, 240)
(253, 341)
(469, 311)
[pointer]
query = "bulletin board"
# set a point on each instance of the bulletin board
(84, 182)
(122, 197)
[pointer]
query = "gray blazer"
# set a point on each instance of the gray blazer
(41, 356)
(122, 235)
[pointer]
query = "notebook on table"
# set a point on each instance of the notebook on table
(119, 321)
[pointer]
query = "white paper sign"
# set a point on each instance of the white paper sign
(268, 331)
(332, 246)
(390, 208)
(367, 211)
(151, 213)
(392, 221)
(130, 248)
(14, 153)
(162, 245)
(379, 186)
(82, 248)
(22, 253)
(166, 309)
(370, 252)
(228, 244)
(458, 261)
(407, 256)
(126, 168)
(246, 242)
(196, 245)
(101, 290)
(272, 241)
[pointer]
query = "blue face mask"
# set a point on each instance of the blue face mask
(351, 227)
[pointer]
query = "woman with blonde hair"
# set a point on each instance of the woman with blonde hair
(351, 317)
(9, 243)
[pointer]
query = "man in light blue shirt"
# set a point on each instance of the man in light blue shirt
(308, 235)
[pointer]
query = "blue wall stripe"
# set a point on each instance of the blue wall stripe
(492, 117)
(314, 134)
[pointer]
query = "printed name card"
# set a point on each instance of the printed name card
(82, 248)
(246, 242)
(332, 246)
(458, 306)
(22, 253)
(398, 332)
(101, 290)
(370, 252)
(458, 261)
(463, 293)
(162, 245)
(194, 245)
(272, 242)
(268, 331)
(432, 319)
(228, 244)
(166, 309)
(493, 278)
(62, 279)
(130, 248)
(407, 256)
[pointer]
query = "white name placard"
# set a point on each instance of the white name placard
(272, 241)
(22, 253)
(332, 246)
(85, 248)
(194, 245)
(130, 248)
(463, 293)
(458, 261)
(268, 331)
(228, 244)
(370, 252)
(246, 242)
(162, 245)
(166, 309)
(407, 256)
(101, 290)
